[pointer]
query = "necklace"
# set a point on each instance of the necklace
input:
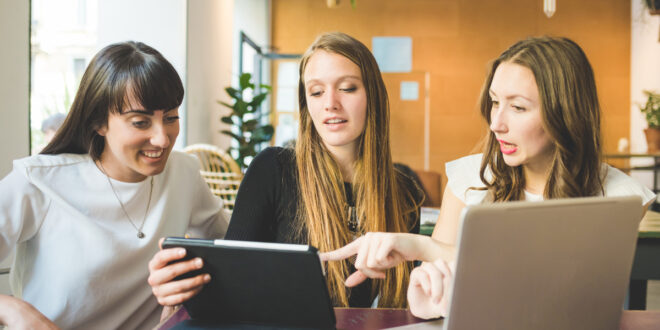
(140, 234)
(352, 219)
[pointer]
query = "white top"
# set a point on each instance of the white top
(78, 259)
(463, 173)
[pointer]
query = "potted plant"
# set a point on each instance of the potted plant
(652, 112)
(246, 127)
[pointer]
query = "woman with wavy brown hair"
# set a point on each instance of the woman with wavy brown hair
(337, 184)
(540, 101)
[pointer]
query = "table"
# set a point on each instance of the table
(366, 318)
(646, 265)
(626, 168)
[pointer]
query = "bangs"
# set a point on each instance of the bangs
(152, 82)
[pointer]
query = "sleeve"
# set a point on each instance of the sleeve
(254, 214)
(618, 183)
(462, 174)
(22, 210)
(209, 218)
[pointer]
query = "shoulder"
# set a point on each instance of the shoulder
(617, 183)
(43, 166)
(463, 174)
(273, 158)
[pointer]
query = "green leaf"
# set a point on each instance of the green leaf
(263, 133)
(227, 120)
(267, 87)
(244, 81)
(230, 106)
(258, 99)
(238, 138)
(250, 124)
(240, 108)
(234, 93)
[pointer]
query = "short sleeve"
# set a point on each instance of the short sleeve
(618, 183)
(22, 210)
(463, 174)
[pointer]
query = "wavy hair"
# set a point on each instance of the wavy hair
(380, 199)
(114, 72)
(571, 116)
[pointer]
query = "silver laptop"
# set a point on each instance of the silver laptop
(559, 264)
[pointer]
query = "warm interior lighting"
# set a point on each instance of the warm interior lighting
(549, 7)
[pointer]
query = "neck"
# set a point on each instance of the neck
(345, 158)
(110, 171)
(536, 178)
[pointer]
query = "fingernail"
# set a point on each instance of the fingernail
(207, 278)
(181, 252)
(198, 262)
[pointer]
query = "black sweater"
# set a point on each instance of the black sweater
(267, 203)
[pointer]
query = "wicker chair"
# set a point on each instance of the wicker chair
(219, 170)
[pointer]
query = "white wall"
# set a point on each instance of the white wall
(209, 68)
(160, 24)
(644, 75)
(14, 91)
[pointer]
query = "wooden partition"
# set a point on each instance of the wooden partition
(453, 41)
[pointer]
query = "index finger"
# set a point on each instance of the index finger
(343, 252)
(164, 257)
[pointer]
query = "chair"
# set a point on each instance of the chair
(219, 170)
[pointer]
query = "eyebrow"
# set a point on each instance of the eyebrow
(340, 79)
(144, 112)
(491, 93)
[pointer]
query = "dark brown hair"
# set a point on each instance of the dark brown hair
(571, 116)
(115, 72)
(381, 200)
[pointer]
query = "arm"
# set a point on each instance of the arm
(446, 228)
(18, 314)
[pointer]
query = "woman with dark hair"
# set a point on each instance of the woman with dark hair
(337, 184)
(540, 101)
(86, 214)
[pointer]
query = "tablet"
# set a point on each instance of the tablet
(258, 283)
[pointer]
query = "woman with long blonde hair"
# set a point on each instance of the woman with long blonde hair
(338, 183)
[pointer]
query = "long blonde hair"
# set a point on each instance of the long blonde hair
(570, 114)
(381, 201)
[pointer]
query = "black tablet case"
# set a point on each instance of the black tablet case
(258, 286)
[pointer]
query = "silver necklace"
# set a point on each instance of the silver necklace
(140, 233)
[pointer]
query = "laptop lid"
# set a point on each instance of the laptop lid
(558, 264)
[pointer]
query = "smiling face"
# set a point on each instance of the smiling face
(516, 118)
(336, 100)
(138, 142)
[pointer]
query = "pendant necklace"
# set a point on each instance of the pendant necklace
(140, 234)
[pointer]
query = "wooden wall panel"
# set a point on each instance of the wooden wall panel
(453, 41)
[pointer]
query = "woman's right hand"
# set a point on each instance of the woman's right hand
(162, 271)
(18, 314)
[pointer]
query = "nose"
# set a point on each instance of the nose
(159, 136)
(330, 101)
(498, 121)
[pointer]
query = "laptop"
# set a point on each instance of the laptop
(557, 264)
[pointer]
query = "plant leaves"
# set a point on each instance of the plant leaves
(262, 133)
(227, 120)
(258, 99)
(234, 93)
(250, 125)
(244, 81)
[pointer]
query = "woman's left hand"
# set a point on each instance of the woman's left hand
(428, 290)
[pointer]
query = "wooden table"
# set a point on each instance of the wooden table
(366, 318)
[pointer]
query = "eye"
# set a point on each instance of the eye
(495, 103)
(349, 89)
(518, 108)
(140, 124)
(171, 119)
(315, 94)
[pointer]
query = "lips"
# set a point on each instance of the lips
(507, 148)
